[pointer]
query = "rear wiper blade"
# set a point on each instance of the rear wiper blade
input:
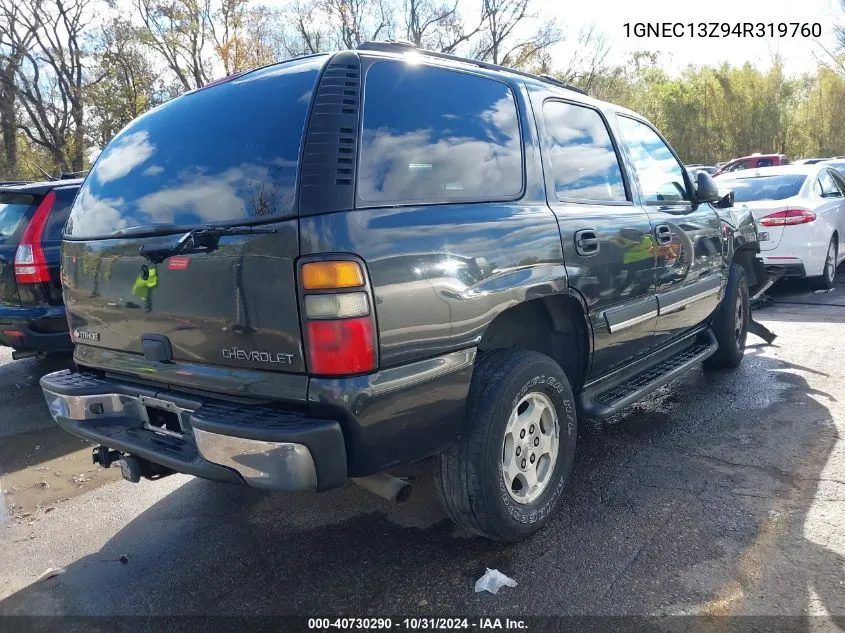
(202, 239)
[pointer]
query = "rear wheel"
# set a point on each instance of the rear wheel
(730, 324)
(504, 479)
(828, 277)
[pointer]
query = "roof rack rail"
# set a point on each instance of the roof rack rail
(392, 46)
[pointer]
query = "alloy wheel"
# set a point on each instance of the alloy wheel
(530, 447)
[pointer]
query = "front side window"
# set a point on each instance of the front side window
(661, 175)
(432, 135)
(583, 160)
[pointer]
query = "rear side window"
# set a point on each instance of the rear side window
(55, 226)
(432, 135)
(15, 210)
(765, 162)
(223, 153)
(584, 161)
(828, 186)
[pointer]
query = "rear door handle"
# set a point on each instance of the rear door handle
(663, 233)
(587, 242)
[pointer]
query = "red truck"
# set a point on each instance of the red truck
(752, 162)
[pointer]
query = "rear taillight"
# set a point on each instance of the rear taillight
(340, 330)
(788, 217)
(30, 263)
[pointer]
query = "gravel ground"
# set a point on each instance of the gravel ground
(721, 494)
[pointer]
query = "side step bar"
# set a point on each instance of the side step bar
(608, 398)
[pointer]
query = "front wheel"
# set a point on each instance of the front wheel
(730, 323)
(504, 479)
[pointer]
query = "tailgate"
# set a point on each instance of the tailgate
(235, 306)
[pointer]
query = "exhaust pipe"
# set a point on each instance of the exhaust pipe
(386, 486)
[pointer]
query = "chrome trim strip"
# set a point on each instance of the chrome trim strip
(682, 303)
(624, 325)
(270, 465)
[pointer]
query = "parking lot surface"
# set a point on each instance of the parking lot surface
(722, 494)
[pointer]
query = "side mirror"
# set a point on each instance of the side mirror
(705, 188)
(726, 201)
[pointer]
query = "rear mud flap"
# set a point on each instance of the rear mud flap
(761, 330)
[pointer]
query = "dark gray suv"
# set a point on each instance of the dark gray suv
(328, 267)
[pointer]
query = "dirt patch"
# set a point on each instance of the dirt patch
(43, 468)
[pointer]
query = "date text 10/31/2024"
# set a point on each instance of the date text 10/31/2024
(416, 624)
(722, 29)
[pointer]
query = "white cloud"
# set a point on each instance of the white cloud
(123, 156)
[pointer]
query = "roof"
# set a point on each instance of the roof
(41, 187)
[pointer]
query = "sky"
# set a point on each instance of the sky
(609, 16)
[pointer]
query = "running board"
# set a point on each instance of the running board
(607, 398)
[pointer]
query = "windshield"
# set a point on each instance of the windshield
(224, 153)
(778, 187)
(14, 210)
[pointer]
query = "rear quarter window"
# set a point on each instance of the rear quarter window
(224, 153)
(55, 226)
(433, 135)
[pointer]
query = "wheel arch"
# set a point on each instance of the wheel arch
(555, 325)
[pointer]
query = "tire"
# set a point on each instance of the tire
(470, 475)
(730, 324)
(828, 277)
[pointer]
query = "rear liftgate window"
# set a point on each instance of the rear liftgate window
(434, 136)
(227, 152)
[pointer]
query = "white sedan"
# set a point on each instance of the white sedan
(800, 215)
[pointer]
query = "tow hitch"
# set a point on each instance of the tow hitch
(131, 468)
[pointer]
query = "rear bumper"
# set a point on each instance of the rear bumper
(791, 269)
(257, 445)
(42, 328)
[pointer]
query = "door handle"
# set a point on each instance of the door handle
(663, 233)
(587, 242)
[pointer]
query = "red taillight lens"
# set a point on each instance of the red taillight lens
(788, 217)
(340, 347)
(30, 263)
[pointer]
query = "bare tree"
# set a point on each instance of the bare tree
(437, 27)
(308, 33)
(126, 85)
(15, 39)
(502, 41)
(356, 21)
(588, 59)
(245, 36)
(50, 77)
(179, 31)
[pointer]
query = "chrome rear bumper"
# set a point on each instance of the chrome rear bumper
(213, 437)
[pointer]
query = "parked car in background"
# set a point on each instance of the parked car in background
(800, 210)
(698, 167)
(32, 219)
(389, 255)
(755, 161)
(808, 161)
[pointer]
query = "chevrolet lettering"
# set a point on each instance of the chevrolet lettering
(233, 353)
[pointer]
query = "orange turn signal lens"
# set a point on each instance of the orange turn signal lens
(331, 275)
